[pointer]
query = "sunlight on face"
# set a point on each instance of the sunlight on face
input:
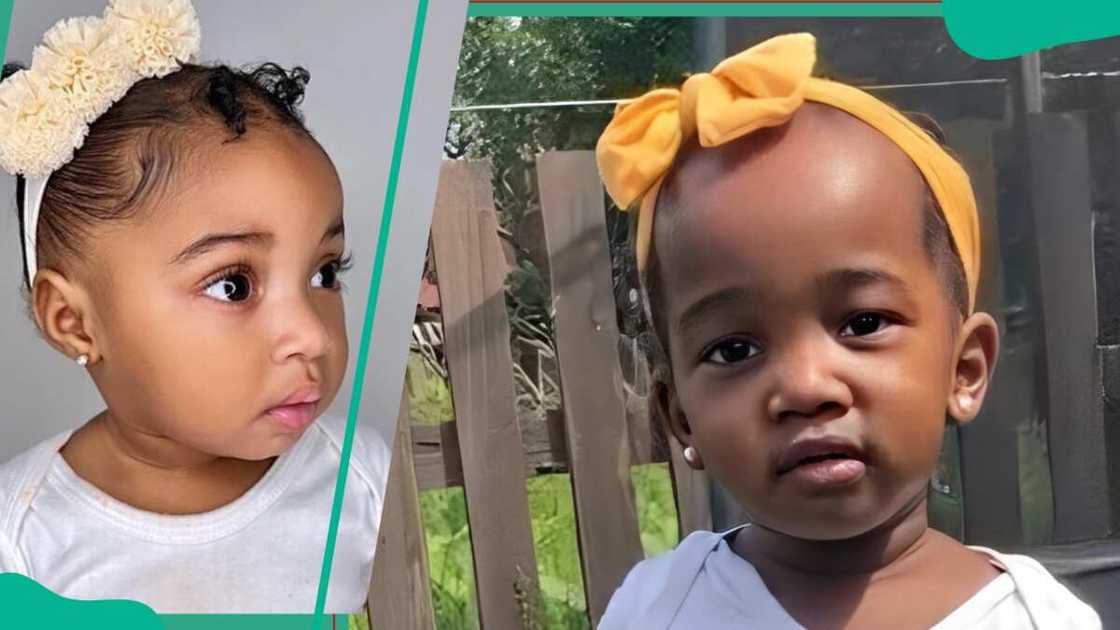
(222, 318)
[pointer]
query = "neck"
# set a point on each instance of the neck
(146, 449)
(868, 555)
(154, 472)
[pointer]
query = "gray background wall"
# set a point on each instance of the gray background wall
(357, 53)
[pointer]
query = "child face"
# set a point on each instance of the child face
(219, 317)
(805, 320)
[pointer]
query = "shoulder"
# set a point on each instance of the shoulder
(1050, 603)
(20, 480)
(658, 581)
(21, 477)
(370, 455)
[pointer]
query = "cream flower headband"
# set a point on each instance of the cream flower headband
(83, 66)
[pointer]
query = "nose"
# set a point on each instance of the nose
(300, 330)
(806, 382)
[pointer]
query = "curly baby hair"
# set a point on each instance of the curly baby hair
(135, 148)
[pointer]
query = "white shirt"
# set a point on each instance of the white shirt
(262, 553)
(704, 584)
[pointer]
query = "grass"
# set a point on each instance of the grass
(562, 604)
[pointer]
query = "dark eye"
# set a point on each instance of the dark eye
(730, 352)
(864, 324)
(327, 276)
(236, 287)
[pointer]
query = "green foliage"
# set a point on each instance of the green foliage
(450, 565)
(563, 604)
(511, 60)
(515, 60)
(657, 510)
(429, 397)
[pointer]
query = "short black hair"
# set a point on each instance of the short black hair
(133, 149)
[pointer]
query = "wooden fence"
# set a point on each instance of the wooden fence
(1056, 491)
(486, 449)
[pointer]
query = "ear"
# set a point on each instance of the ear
(974, 362)
(666, 405)
(63, 311)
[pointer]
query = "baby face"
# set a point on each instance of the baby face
(221, 321)
(811, 338)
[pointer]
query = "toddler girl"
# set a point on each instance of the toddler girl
(183, 241)
(809, 259)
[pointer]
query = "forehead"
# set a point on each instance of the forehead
(823, 192)
(265, 178)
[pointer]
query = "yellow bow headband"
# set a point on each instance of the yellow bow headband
(757, 88)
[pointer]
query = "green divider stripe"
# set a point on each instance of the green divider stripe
(371, 304)
(5, 22)
(707, 9)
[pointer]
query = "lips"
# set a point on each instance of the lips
(297, 411)
(823, 461)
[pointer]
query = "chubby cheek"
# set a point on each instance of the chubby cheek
(731, 434)
(206, 381)
(906, 416)
(202, 374)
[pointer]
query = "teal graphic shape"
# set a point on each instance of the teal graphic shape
(999, 29)
(28, 604)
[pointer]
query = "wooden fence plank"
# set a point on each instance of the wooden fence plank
(436, 448)
(399, 593)
(989, 445)
(1060, 186)
(470, 271)
(590, 376)
(438, 465)
(693, 489)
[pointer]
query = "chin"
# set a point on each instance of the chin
(276, 447)
(830, 522)
(259, 449)
(827, 531)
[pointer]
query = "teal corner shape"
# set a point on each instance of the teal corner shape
(1000, 29)
(28, 604)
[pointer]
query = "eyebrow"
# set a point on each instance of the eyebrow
(338, 228)
(698, 309)
(213, 241)
(853, 278)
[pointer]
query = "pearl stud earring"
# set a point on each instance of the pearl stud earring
(690, 455)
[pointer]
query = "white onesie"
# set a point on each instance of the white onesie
(262, 553)
(704, 584)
